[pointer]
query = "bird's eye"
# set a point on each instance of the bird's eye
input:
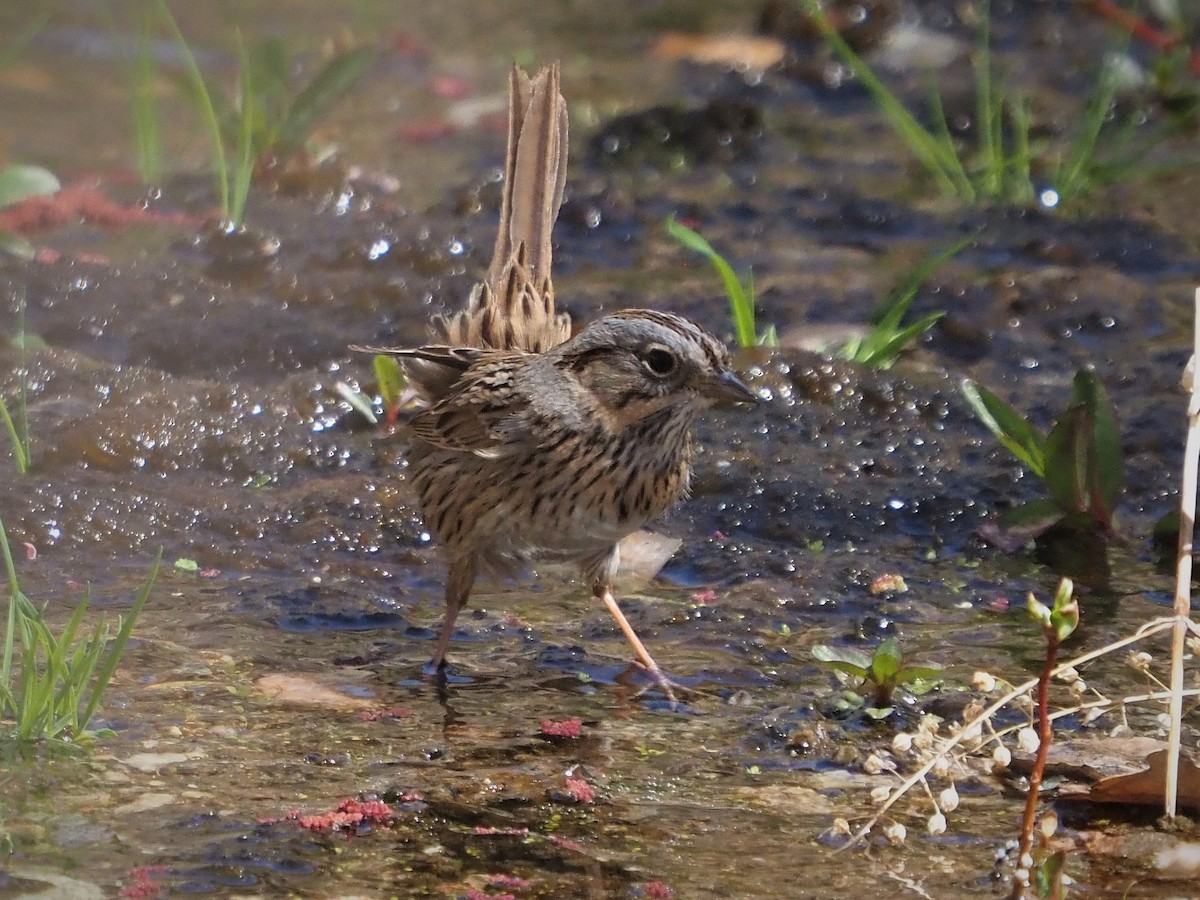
(659, 361)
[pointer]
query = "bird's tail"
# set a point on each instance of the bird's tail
(513, 308)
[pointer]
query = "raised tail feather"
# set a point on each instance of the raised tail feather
(513, 309)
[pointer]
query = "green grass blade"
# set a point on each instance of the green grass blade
(955, 180)
(329, 85)
(143, 102)
(1021, 439)
(20, 453)
(117, 648)
(14, 602)
(244, 144)
(741, 305)
(204, 97)
(938, 157)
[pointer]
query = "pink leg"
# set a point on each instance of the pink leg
(459, 580)
(639, 649)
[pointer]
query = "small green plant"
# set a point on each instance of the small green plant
(1057, 622)
(1080, 461)
(267, 122)
(741, 296)
(51, 686)
(887, 339)
(391, 380)
(881, 673)
(1004, 166)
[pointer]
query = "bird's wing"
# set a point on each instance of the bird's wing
(477, 407)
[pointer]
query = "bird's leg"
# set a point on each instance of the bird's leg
(639, 649)
(600, 571)
(459, 580)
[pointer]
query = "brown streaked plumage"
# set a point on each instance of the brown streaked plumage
(540, 445)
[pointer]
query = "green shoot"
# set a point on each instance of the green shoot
(882, 672)
(741, 296)
(51, 686)
(391, 381)
(143, 106)
(1057, 624)
(1080, 461)
(887, 339)
(203, 99)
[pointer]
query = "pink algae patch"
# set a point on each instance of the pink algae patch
(580, 790)
(567, 728)
(83, 202)
(657, 890)
(349, 815)
(142, 885)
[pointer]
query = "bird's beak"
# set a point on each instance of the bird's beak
(727, 386)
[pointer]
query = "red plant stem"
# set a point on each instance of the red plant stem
(1142, 30)
(1045, 735)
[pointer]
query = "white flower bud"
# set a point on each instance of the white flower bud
(948, 799)
(895, 833)
(840, 827)
(936, 824)
(902, 743)
(941, 767)
(876, 764)
(1001, 758)
(984, 682)
(881, 794)
(1049, 825)
(1027, 740)
(1069, 674)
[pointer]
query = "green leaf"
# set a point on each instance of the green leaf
(187, 565)
(1106, 460)
(391, 379)
(923, 672)
(358, 401)
(1038, 611)
(1011, 429)
(843, 659)
(1084, 462)
(886, 662)
(741, 301)
(337, 77)
(19, 183)
(878, 712)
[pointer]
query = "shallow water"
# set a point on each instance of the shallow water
(187, 400)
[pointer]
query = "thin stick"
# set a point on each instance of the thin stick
(1183, 568)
